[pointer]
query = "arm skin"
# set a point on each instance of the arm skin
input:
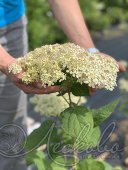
(70, 18)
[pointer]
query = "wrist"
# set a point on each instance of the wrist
(92, 50)
(5, 60)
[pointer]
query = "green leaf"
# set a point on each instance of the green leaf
(57, 137)
(39, 159)
(107, 166)
(39, 163)
(96, 165)
(93, 140)
(118, 168)
(31, 156)
(54, 150)
(90, 164)
(99, 115)
(70, 162)
(80, 90)
(59, 168)
(58, 164)
(67, 139)
(64, 84)
(77, 122)
(95, 136)
(57, 83)
(40, 136)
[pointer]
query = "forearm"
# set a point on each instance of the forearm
(69, 17)
(5, 58)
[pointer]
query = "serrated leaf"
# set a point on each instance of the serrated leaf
(99, 115)
(96, 165)
(90, 164)
(58, 164)
(107, 166)
(93, 140)
(40, 135)
(67, 139)
(31, 156)
(95, 136)
(64, 84)
(39, 159)
(77, 122)
(80, 90)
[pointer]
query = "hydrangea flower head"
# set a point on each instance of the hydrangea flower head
(48, 62)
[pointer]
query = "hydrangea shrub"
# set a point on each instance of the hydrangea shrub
(69, 66)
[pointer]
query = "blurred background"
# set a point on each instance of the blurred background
(107, 21)
(99, 14)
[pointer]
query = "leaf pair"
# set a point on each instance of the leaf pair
(76, 88)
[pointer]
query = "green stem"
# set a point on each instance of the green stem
(69, 89)
(78, 100)
(65, 157)
(70, 104)
(65, 99)
(75, 155)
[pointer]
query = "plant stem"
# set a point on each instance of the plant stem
(65, 99)
(78, 100)
(75, 155)
(69, 99)
(72, 168)
(65, 157)
(69, 88)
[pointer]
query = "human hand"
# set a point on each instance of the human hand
(34, 87)
(121, 69)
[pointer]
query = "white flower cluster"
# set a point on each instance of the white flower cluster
(51, 105)
(46, 63)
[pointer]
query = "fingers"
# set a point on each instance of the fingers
(39, 85)
(121, 68)
(49, 89)
(92, 90)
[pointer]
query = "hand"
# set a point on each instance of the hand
(121, 69)
(34, 87)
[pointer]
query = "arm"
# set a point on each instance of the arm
(69, 17)
(4, 59)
